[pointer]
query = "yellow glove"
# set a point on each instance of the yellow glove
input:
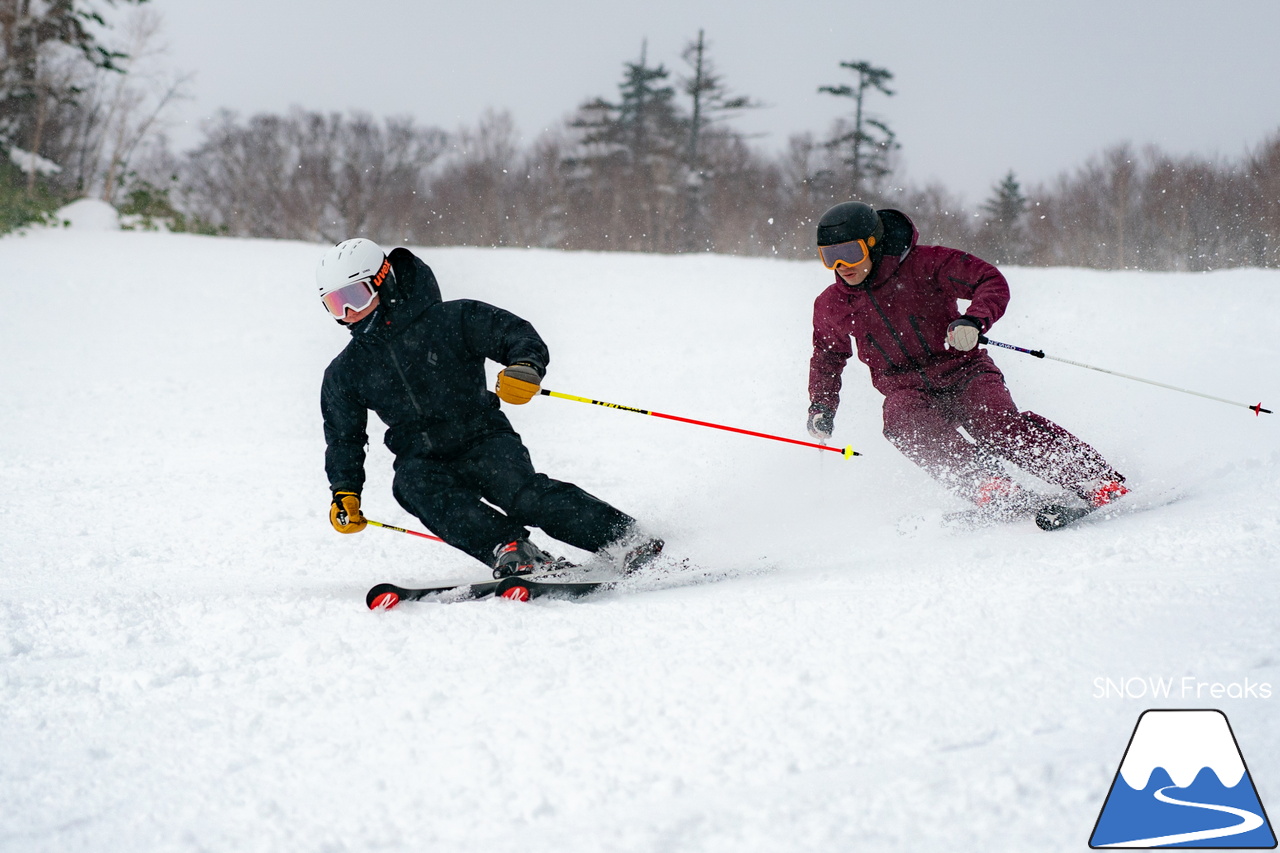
(518, 384)
(345, 515)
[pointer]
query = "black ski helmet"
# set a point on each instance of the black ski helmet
(851, 220)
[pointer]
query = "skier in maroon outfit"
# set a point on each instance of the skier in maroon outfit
(898, 302)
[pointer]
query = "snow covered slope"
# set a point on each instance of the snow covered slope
(186, 662)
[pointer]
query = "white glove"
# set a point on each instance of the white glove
(963, 334)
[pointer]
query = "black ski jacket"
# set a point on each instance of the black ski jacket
(418, 362)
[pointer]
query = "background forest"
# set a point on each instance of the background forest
(653, 164)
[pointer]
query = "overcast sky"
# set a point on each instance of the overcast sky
(983, 86)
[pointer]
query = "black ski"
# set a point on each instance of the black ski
(384, 596)
(976, 518)
(1057, 516)
(510, 587)
(1052, 515)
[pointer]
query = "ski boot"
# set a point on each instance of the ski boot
(1104, 493)
(1001, 499)
(522, 557)
(641, 554)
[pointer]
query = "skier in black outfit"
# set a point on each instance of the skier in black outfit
(418, 362)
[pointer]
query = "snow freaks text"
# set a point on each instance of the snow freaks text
(1186, 687)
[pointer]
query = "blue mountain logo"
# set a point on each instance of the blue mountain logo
(1183, 783)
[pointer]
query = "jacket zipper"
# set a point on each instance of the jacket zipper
(395, 362)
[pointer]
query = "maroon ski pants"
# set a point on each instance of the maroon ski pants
(924, 424)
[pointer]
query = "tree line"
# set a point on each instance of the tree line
(655, 165)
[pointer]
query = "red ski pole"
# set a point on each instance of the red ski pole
(846, 452)
(402, 530)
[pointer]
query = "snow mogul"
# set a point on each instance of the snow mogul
(898, 301)
(460, 467)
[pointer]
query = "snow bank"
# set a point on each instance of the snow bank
(186, 661)
(89, 214)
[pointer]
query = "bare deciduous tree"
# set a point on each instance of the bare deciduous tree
(312, 176)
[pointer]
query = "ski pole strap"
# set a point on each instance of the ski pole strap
(846, 452)
(1256, 409)
(402, 530)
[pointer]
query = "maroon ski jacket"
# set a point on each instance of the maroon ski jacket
(899, 318)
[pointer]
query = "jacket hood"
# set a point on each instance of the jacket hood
(408, 291)
(900, 236)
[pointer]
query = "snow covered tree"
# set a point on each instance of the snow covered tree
(868, 142)
(31, 34)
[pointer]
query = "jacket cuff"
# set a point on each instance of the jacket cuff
(540, 369)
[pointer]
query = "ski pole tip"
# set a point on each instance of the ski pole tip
(1258, 410)
(849, 452)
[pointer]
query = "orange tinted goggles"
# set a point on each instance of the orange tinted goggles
(850, 254)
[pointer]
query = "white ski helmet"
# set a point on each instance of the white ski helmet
(350, 260)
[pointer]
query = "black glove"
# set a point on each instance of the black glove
(963, 334)
(822, 422)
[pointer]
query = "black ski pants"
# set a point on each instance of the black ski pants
(450, 496)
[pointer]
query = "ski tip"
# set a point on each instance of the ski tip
(382, 599)
(1056, 517)
(1050, 519)
(515, 593)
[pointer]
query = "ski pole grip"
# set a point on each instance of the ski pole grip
(1037, 353)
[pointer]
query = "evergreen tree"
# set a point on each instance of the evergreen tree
(869, 141)
(626, 164)
(1004, 233)
(711, 103)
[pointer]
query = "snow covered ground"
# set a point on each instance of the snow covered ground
(186, 661)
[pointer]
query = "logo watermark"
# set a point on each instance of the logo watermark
(1183, 783)
(1183, 688)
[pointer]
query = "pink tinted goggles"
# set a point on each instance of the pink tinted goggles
(357, 296)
